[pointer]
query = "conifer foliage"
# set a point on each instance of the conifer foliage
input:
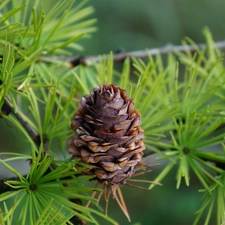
(165, 114)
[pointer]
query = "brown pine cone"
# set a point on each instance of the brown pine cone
(107, 136)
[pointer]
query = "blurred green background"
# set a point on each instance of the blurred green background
(142, 24)
(134, 25)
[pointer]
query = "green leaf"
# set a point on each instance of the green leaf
(164, 172)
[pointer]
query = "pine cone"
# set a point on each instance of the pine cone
(108, 134)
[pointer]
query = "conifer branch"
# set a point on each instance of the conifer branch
(121, 55)
(7, 109)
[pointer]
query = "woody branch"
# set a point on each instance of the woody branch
(119, 57)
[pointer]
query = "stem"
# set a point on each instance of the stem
(119, 57)
(17, 113)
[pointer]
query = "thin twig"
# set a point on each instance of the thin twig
(119, 57)
(17, 113)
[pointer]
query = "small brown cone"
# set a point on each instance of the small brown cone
(108, 134)
(108, 137)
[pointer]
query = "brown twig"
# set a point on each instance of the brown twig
(18, 114)
(119, 57)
